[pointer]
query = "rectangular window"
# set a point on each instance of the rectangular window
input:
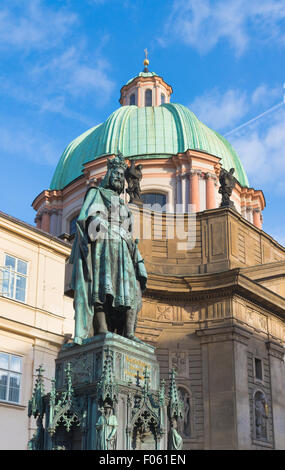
(10, 377)
(258, 368)
(14, 278)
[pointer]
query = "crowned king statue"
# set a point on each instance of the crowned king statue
(108, 271)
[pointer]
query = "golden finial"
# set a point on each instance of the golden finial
(146, 61)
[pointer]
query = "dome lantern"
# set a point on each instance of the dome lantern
(146, 89)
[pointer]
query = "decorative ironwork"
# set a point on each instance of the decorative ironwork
(36, 408)
(73, 406)
(36, 404)
(146, 416)
(63, 407)
(107, 389)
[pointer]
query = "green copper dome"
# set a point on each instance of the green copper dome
(147, 132)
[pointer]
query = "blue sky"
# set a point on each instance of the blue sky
(63, 64)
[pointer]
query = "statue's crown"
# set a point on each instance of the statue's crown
(117, 162)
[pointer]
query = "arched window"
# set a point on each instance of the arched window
(72, 225)
(162, 96)
(148, 98)
(132, 99)
(157, 199)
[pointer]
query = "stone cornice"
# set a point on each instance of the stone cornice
(31, 332)
(265, 271)
(33, 234)
(275, 350)
(226, 332)
(46, 197)
(210, 286)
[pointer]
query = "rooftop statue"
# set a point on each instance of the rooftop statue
(108, 271)
(133, 175)
(227, 182)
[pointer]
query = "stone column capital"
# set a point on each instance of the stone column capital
(209, 175)
(275, 349)
(224, 333)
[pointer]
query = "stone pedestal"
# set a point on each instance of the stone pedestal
(87, 361)
(124, 373)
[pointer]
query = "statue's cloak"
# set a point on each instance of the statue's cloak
(110, 266)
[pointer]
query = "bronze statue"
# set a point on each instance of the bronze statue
(133, 175)
(227, 182)
(108, 270)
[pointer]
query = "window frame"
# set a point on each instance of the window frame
(9, 371)
(16, 273)
(155, 193)
(132, 95)
(256, 379)
(145, 95)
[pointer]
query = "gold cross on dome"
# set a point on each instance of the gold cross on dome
(145, 51)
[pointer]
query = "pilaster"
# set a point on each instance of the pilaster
(226, 405)
(256, 218)
(277, 375)
(194, 189)
(210, 191)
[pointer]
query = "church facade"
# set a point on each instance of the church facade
(214, 307)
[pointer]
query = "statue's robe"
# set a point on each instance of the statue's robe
(106, 428)
(109, 267)
(175, 441)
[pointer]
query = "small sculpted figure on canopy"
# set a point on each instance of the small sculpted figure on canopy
(108, 271)
(106, 428)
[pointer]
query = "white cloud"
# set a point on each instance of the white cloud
(23, 142)
(264, 95)
(220, 110)
(261, 143)
(262, 151)
(32, 25)
(71, 73)
(63, 74)
(40, 99)
(202, 24)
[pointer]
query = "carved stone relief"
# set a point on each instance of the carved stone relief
(258, 320)
(179, 361)
(189, 312)
(164, 312)
(82, 368)
(98, 365)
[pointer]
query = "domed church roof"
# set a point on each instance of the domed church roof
(145, 132)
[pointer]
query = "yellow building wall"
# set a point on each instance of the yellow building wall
(34, 329)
